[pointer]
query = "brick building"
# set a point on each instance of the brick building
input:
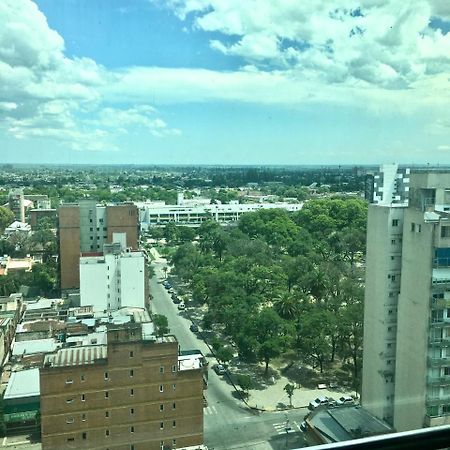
(83, 230)
(131, 394)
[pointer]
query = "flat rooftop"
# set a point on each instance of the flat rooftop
(24, 383)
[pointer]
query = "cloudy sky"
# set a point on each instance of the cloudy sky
(225, 81)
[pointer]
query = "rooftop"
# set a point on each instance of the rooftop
(32, 347)
(24, 383)
(76, 356)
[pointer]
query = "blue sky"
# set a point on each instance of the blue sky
(225, 81)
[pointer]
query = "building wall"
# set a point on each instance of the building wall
(36, 214)
(413, 323)
(69, 246)
(93, 284)
(123, 219)
(132, 286)
(383, 266)
(133, 384)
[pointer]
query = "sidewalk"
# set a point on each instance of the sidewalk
(274, 397)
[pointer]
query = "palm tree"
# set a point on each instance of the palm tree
(287, 306)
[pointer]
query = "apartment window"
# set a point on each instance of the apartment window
(106, 394)
(104, 228)
(106, 413)
(161, 388)
(174, 405)
(445, 409)
(395, 222)
(91, 238)
(131, 392)
(445, 231)
(131, 429)
(392, 277)
(98, 229)
(69, 381)
(106, 432)
(69, 400)
(174, 423)
(161, 369)
(131, 354)
(174, 386)
(106, 376)
(71, 439)
(70, 420)
(161, 425)
(446, 370)
(174, 368)
(161, 407)
(131, 410)
(388, 362)
(91, 229)
(84, 435)
(391, 294)
(82, 378)
(131, 373)
(83, 397)
(413, 227)
(174, 442)
(131, 447)
(419, 228)
(83, 417)
(393, 241)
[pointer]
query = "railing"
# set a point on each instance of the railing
(438, 361)
(441, 381)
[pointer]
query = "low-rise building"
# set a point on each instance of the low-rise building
(326, 425)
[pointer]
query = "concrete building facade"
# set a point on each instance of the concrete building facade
(130, 394)
(115, 280)
(85, 227)
(406, 360)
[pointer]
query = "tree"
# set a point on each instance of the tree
(6, 218)
(289, 388)
(287, 306)
(171, 232)
(224, 355)
(161, 324)
(244, 382)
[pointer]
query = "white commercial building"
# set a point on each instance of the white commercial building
(406, 358)
(194, 212)
(114, 280)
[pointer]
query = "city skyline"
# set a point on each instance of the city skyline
(210, 82)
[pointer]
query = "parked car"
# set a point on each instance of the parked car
(219, 369)
(319, 401)
(345, 400)
(194, 328)
(303, 426)
(181, 307)
(176, 300)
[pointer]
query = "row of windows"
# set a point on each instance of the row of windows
(106, 375)
(108, 433)
(83, 396)
(107, 413)
(98, 229)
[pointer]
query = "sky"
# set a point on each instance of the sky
(225, 81)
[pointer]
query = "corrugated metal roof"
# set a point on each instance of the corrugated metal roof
(76, 356)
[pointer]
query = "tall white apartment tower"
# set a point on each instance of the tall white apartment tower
(406, 359)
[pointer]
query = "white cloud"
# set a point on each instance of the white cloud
(44, 94)
(444, 148)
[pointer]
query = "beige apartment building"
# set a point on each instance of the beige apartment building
(83, 230)
(131, 394)
(406, 359)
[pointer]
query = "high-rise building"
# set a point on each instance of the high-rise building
(134, 393)
(114, 280)
(83, 230)
(16, 204)
(406, 359)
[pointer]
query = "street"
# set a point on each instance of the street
(228, 422)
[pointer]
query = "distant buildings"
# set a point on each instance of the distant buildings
(114, 280)
(194, 212)
(406, 360)
(131, 393)
(16, 204)
(83, 230)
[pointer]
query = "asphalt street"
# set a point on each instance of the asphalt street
(228, 422)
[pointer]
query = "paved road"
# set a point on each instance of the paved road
(229, 424)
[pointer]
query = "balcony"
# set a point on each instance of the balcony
(443, 399)
(438, 361)
(440, 303)
(439, 342)
(439, 381)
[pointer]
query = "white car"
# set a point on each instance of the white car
(181, 307)
(318, 402)
(345, 400)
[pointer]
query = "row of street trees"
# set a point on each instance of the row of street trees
(283, 282)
